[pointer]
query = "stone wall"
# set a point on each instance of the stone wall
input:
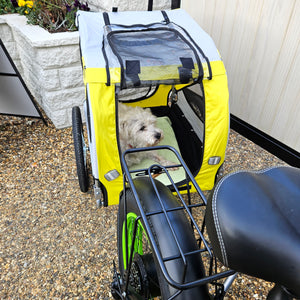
(49, 65)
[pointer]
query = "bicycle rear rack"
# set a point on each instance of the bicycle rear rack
(213, 275)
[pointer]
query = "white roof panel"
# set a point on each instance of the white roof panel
(91, 29)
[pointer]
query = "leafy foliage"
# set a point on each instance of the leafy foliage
(53, 15)
(8, 6)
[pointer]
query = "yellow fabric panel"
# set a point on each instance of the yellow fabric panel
(217, 68)
(148, 73)
(103, 107)
(152, 73)
(102, 99)
(98, 75)
(216, 125)
(160, 98)
(164, 72)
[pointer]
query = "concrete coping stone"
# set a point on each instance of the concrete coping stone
(37, 36)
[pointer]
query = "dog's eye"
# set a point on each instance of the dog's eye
(143, 128)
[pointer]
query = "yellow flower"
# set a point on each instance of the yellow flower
(21, 2)
(29, 4)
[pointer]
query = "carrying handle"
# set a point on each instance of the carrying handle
(150, 5)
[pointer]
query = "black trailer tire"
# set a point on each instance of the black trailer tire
(80, 149)
(163, 237)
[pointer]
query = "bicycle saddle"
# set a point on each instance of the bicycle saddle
(253, 221)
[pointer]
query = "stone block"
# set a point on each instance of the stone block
(60, 118)
(60, 56)
(71, 77)
(62, 99)
(11, 48)
(33, 83)
(5, 31)
(49, 79)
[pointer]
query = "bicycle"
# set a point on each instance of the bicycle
(249, 224)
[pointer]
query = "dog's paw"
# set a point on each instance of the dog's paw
(164, 162)
(173, 169)
(167, 163)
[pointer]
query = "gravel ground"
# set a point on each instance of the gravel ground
(54, 242)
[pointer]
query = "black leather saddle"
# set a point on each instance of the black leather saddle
(253, 222)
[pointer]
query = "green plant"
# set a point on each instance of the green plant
(53, 15)
(8, 6)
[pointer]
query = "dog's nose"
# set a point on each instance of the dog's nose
(158, 135)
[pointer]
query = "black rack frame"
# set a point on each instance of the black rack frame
(128, 181)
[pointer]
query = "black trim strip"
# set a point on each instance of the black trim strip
(88, 113)
(167, 20)
(106, 64)
(275, 147)
(106, 18)
(150, 5)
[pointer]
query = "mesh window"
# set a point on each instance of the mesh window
(154, 56)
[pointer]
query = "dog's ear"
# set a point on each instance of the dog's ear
(122, 124)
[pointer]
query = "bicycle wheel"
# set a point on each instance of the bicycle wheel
(80, 149)
(146, 277)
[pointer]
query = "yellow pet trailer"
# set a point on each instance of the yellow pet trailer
(161, 60)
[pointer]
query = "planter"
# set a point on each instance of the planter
(49, 64)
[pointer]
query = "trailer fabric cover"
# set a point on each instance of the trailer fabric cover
(102, 94)
(92, 31)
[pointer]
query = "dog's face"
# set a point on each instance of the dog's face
(138, 129)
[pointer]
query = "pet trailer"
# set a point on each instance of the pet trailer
(160, 60)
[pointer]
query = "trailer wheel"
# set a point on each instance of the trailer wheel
(80, 149)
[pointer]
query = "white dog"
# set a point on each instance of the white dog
(137, 129)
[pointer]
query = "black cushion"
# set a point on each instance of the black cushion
(253, 221)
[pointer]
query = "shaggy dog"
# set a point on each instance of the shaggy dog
(137, 129)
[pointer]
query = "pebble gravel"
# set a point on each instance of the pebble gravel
(54, 241)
